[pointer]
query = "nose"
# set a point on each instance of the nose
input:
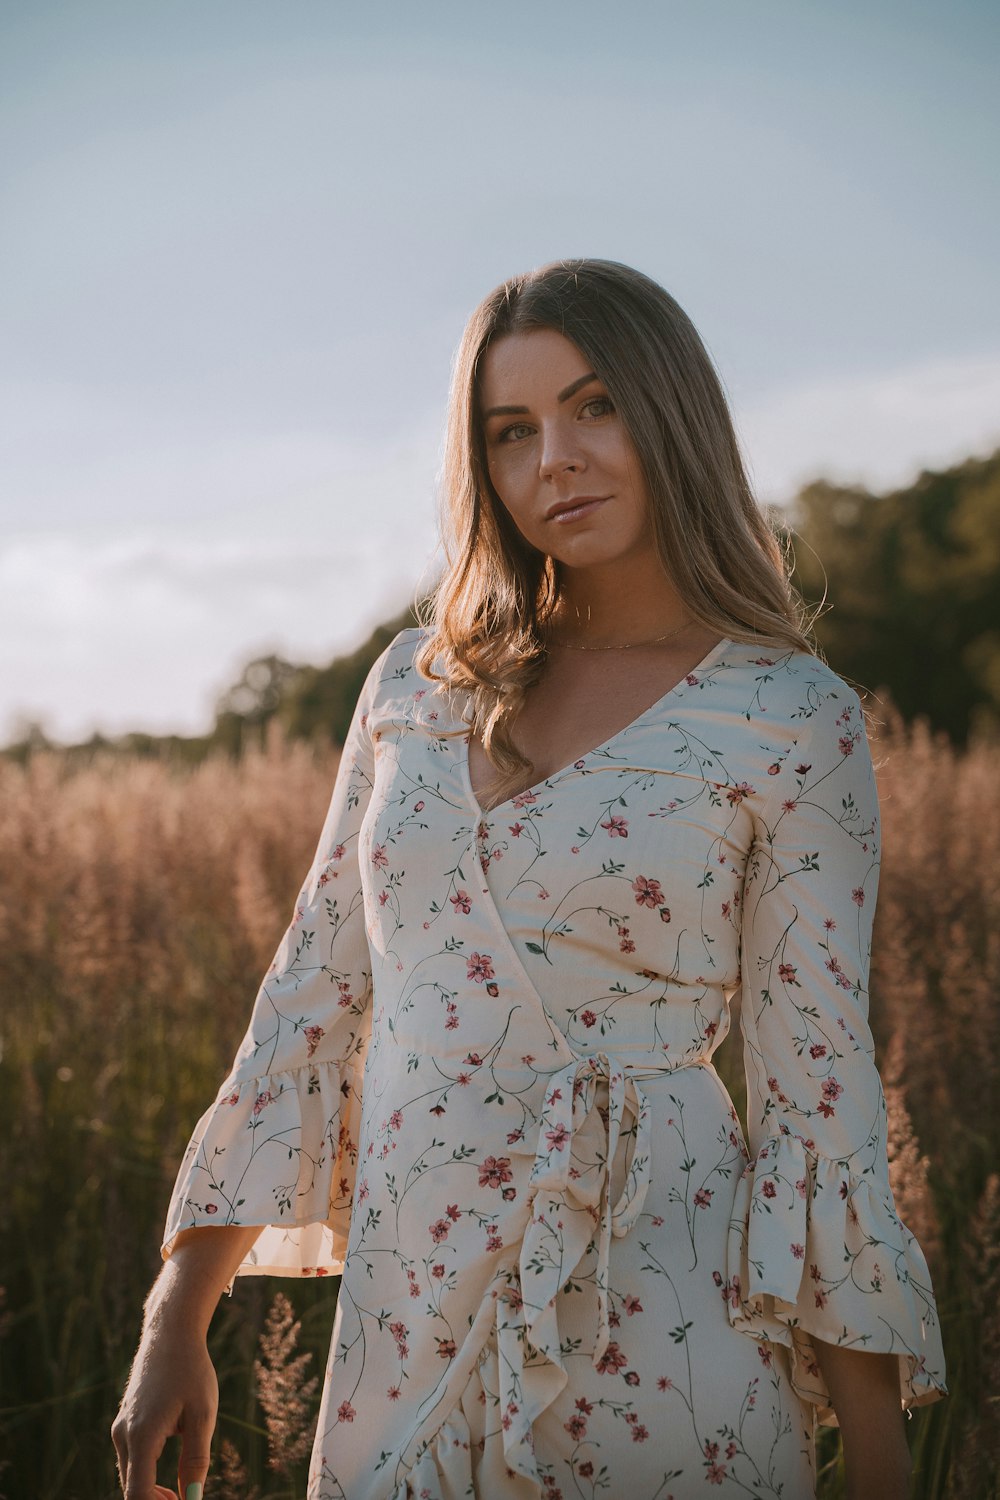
(560, 453)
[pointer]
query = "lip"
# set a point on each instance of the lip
(571, 510)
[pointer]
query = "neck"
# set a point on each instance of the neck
(594, 606)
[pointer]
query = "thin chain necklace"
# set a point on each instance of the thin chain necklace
(625, 646)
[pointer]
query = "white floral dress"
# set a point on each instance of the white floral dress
(477, 1081)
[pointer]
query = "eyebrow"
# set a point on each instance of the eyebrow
(519, 411)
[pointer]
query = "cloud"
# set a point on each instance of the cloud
(878, 430)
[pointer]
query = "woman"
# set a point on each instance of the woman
(609, 786)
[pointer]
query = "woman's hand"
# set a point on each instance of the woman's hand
(864, 1389)
(172, 1388)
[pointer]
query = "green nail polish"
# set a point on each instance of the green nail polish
(193, 1491)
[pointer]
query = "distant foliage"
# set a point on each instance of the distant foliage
(913, 578)
(141, 903)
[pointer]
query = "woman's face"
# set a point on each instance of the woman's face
(558, 455)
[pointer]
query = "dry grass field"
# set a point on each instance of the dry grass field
(139, 906)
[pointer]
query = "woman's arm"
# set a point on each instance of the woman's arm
(172, 1388)
(864, 1389)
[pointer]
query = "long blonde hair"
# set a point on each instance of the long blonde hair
(484, 621)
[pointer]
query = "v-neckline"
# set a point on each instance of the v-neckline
(682, 682)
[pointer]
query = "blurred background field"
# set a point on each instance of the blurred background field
(144, 885)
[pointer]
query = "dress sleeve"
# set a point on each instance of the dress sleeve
(279, 1145)
(816, 1248)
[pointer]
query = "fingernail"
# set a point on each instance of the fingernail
(194, 1491)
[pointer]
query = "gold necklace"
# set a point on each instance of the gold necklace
(626, 646)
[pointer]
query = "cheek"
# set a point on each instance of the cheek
(511, 478)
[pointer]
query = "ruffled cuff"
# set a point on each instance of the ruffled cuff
(818, 1251)
(278, 1150)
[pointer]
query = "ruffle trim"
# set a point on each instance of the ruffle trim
(818, 1251)
(278, 1150)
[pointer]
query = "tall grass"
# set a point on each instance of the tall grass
(139, 906)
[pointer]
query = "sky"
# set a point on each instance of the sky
(239, 242)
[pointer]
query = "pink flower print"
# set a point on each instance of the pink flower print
(461, 902)
(418, 807)
(585, 1406)
(383, 898)
(768, 1188)
(648, 892)
(313, 1035)
(447, 1348)
(514, 1136)
(612, 1360)
(493, 989)
(586, 1470)
(731, 1292)
(543, 894)
(631, 1377)
(516, 829)
(774, 768)
(735, 794)
(817, 1050)
(691, 679)
(832, 1089)
(766, 1360)
(576, 1427)
(234, 1097)
(211, 1208)
(494, 1171)
(790, 806)
(262, 1101)
(379, 857)
(797, 1250)
(346, 998)
(631, 1305)
(858, 896)
(829, 924)
(787, 973)
(800, 1187)
(525, 799)
(396, 1120)
(464, 1079)
(703, 1198)
(803, 770)
(557, 1137)
(821, 1299)
(731, 1448)
(617, 828)
(439, 1231)
(664, 913)
(589, 1019)
(346, 1412)
(473, 1060)
(664, 1384)
(493, 1240)
(338, 853)
(393, 1393)
(846, 744)
(437, 1271)
(480, 967)
(626, 945)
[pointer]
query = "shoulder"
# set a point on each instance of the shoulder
(788, 685)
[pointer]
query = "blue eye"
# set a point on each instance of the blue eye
(507, 434)
(604, 404)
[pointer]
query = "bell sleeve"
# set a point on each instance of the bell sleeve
(816, 1248)
(278, 1147)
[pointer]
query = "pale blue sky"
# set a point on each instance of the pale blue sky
(238, 242)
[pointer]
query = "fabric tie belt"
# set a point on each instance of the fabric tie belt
(590, 1107)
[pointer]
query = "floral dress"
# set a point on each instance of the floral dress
(478, 1083)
